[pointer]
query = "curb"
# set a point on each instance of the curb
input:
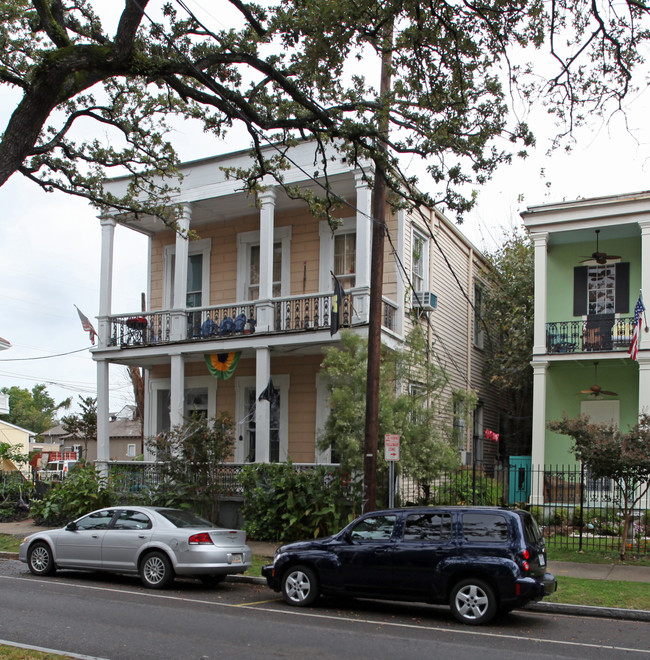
(591, 611)
(547, 608)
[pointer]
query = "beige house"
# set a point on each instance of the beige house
(255, 290)
(24, 442)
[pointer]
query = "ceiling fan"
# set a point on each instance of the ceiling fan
(598, 256)
(596, 390)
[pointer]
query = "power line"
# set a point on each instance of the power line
(43, 357)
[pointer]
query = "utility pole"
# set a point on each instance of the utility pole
(376, 281)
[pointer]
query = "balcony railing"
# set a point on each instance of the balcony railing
(138, 330)
(597, 334)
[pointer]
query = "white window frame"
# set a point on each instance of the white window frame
(418, 234)
(245, 240)
(191, 382)
(130, 450)
(204, 247)
(281, 383)
(347, 226)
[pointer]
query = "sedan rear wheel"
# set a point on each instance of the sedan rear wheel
(40, 559)
(300, 586)
(473, 601)
(156, 571)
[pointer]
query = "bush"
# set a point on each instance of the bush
(82, 491)
(15, 492)
(465, 488)
(286, 504)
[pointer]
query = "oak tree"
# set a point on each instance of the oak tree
(91, 101)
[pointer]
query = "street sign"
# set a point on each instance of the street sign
(391, 447)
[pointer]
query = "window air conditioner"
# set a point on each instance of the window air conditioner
(424, 300)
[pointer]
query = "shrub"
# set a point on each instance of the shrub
(82, 491)
(283, 503)
(15, 492)
(466, 488)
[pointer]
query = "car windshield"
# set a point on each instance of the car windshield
(180, 518)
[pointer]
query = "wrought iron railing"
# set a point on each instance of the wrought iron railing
(145, 476)
(291, 314)
(596, 334)
(146, 328)
(308, 312)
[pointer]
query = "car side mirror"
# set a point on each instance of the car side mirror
(71, 526)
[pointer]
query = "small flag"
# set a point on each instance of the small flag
(337, 307)
(222, 365)
(269, 393)
(639, 308)
(87, 325)
(491, 435)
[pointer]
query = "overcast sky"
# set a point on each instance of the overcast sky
(50, 244)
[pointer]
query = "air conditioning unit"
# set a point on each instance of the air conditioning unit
(424, 300)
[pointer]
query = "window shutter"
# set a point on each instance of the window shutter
(579, 290)
(622, 295)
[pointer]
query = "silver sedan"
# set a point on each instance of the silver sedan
(156, 543)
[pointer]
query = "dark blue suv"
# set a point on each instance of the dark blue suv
(478, 560)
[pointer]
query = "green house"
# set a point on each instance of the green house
(592, 261)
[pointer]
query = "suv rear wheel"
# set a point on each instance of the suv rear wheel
(473, 601)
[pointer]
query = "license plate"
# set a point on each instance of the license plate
(236, 559)
(542, 560)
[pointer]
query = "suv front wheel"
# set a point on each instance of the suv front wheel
(473, 601)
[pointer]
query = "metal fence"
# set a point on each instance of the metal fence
(574, 510)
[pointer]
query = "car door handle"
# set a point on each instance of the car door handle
(381, 550)
(142, 536)
(95, 536)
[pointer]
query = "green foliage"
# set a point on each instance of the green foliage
(465, 487)
(33, 410)
(416, 414)
(283, 503)
(83, 490)
(608, 452)
(15, 492)
(507, 317)
(283, 72)
(190, 458)
(83, 426)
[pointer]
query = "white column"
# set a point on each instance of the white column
(644, 337)
(540, 241)
(103, 416)
(177, 391)
(364, 231)
(106, 279)
(539, 431)
(178, 316)
(267, 217)
(262, 408)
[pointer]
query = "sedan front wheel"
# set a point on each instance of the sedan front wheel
(40, 560)
(300, 586)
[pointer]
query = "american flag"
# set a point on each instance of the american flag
(87, 325)
(639, 308)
